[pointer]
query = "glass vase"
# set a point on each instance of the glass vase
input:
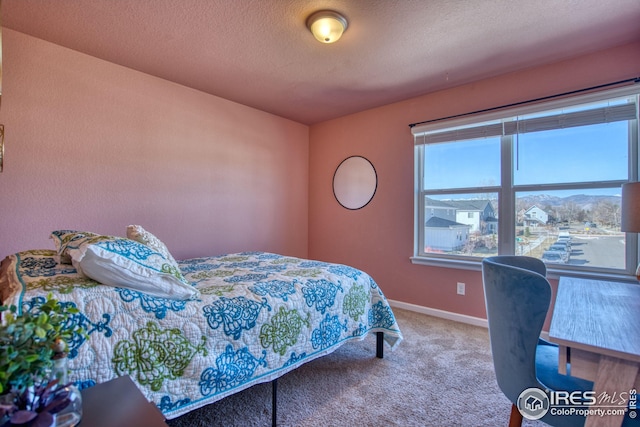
(71, 414)
(6, 400)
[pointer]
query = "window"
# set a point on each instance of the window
(542, 180)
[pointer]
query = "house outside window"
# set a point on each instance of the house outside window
(523, 180)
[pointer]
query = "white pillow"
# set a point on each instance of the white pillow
(139, 234)
(116, 261)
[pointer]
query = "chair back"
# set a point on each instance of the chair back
(517, 298)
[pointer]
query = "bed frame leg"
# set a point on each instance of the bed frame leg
(274, 383)
(274, 403)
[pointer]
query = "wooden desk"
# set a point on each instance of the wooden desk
(597, 326)
(118, 403)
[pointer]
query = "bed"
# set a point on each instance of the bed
(255, 316)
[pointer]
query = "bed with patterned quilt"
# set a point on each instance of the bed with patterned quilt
(234, 321)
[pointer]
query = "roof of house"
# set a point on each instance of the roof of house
(437, 222)
(433, 203)
(536, 207)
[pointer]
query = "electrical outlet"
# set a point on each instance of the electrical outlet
(460, 288)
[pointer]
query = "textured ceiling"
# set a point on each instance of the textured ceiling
(260, 53)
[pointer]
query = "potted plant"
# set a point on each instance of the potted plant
(28, 344)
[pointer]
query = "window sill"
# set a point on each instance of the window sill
(552, 273)
(459, 264)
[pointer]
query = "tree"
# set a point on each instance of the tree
(606, 213)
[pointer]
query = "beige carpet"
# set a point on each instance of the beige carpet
(440, 375)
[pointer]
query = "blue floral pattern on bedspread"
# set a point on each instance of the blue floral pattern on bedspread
(259, 316)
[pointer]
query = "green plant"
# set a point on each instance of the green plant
(28, 342)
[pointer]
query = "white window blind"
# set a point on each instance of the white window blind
(513, 125)
(595, 116)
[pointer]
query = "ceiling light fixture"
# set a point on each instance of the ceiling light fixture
(327, 26)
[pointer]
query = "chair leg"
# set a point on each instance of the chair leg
(515, 420)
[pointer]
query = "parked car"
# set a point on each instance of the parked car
(565, 237)
(552, 257)
(565, 244)
(562, 249)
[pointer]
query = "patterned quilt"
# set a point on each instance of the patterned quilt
(259, 316)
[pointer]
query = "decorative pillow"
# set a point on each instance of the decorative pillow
(65, 238)
(139, 234)
(41, 270)
(125, 263)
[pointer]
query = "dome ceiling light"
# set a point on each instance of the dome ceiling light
(327, 26)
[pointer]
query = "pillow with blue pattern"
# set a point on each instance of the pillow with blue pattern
(65, 238)
(124, 263)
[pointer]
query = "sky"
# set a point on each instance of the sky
(576, 154)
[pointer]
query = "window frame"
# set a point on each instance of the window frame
(506, 191)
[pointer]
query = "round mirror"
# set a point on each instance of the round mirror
(355, 182)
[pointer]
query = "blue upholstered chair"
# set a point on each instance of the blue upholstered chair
(517, 297)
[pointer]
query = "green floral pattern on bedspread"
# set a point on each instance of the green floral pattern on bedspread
(259, 316)
(54, 276)
(154, 355)
(283, 331)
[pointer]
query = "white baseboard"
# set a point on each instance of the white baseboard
(456, 317)
(463, 318)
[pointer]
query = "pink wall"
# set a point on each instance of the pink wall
(96, 146)
(379, 237)
(92, 145)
